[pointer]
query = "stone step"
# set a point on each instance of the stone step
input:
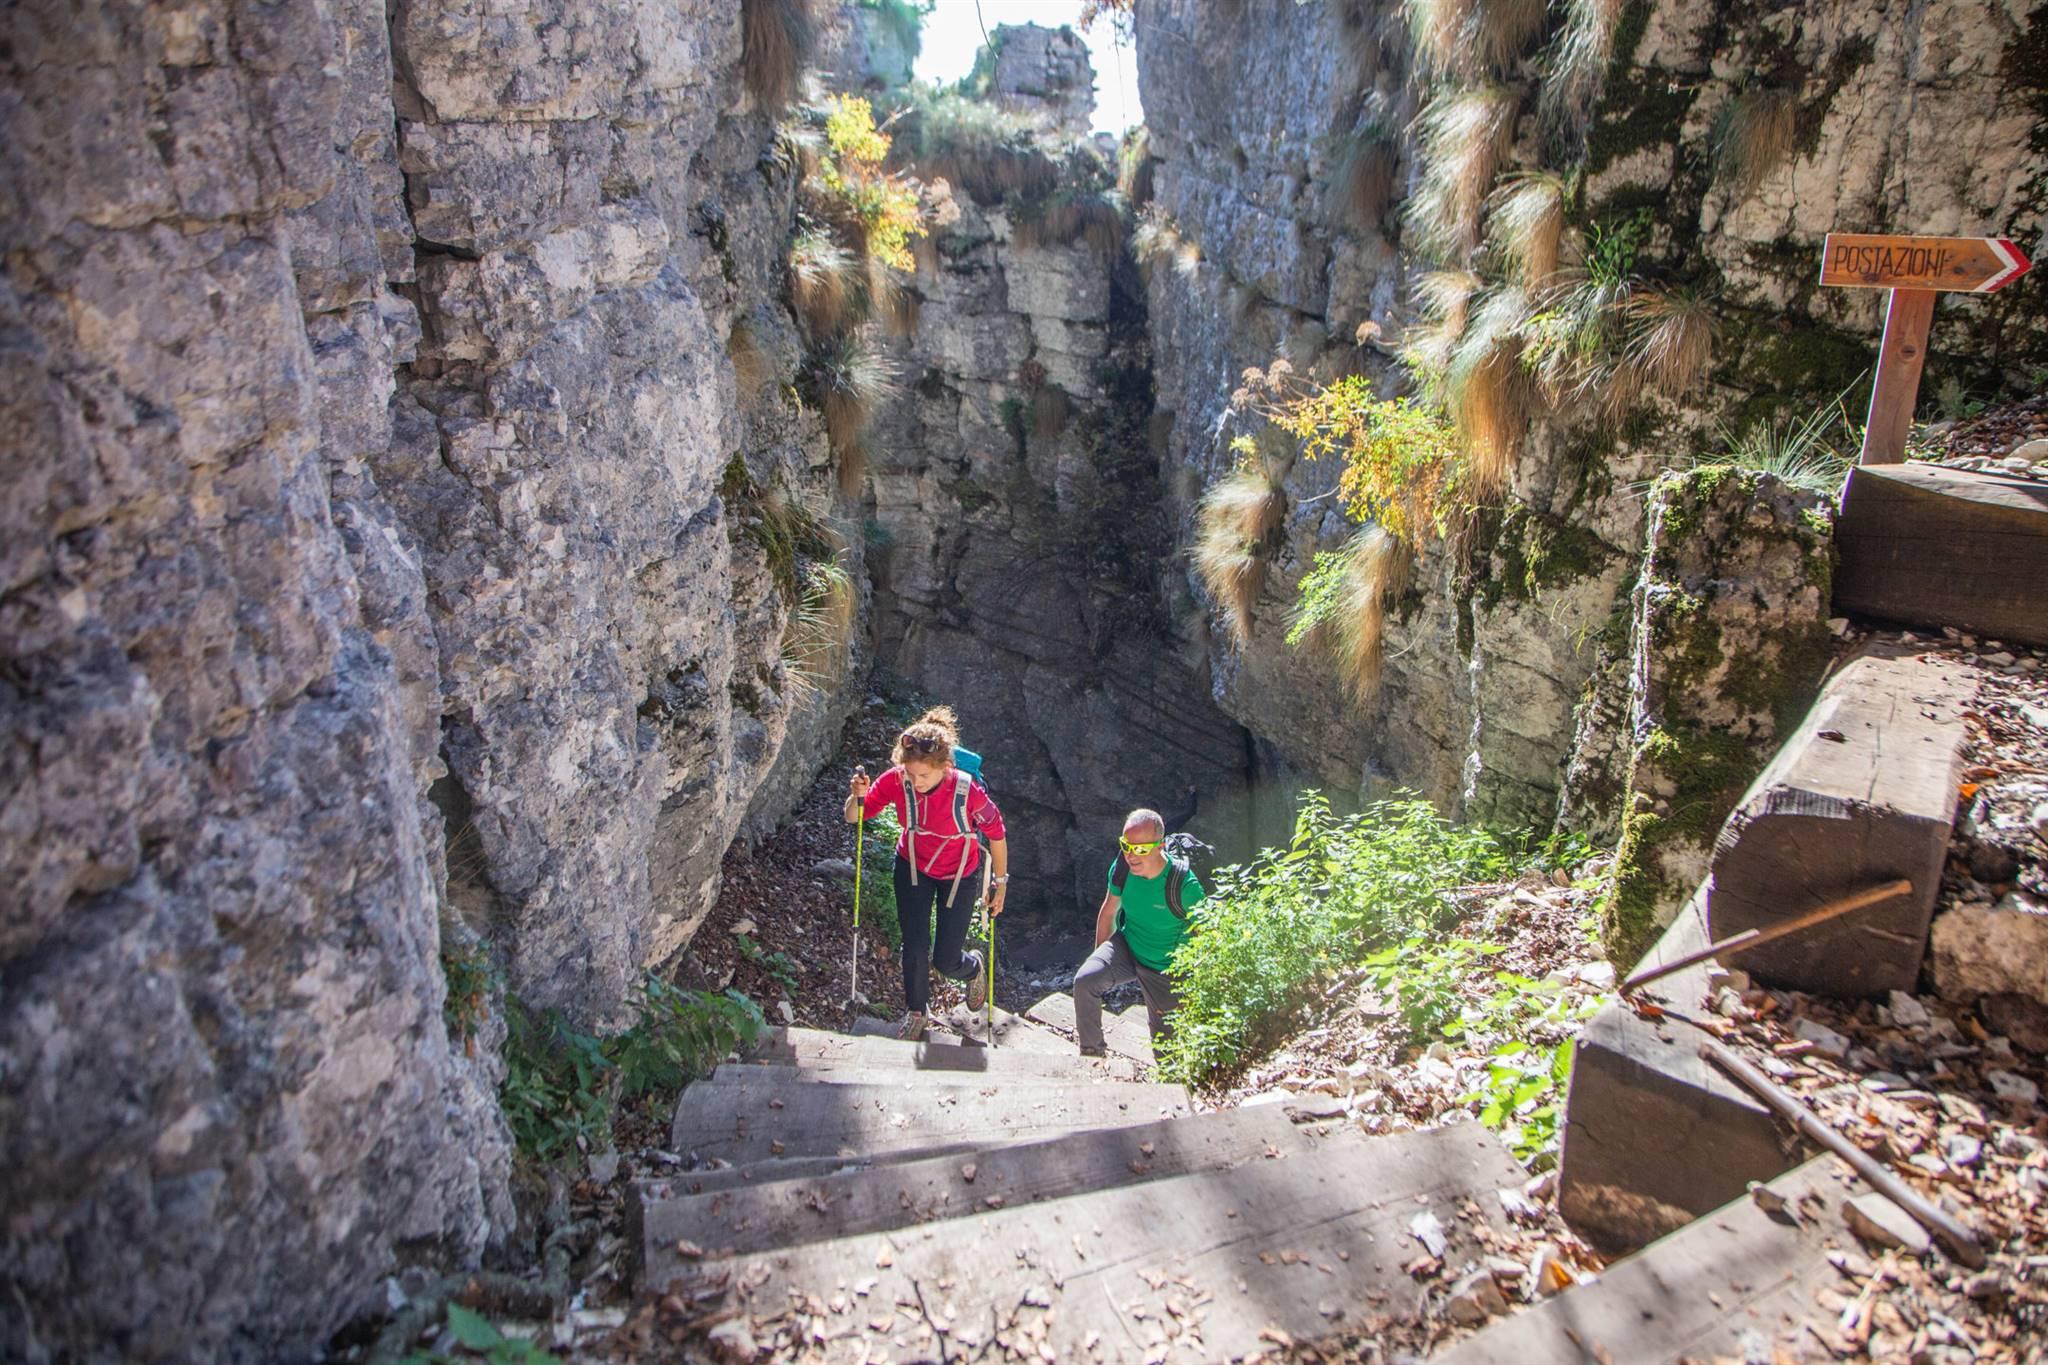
(1126, 1034)
(776, 1117)
(1698, 1293)
(959, 1027)
(1863, 792)
(830, 1053)
(1937, 547)
(820, 1208)
(1199, 1267)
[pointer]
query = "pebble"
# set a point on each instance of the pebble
(1825, 1040)
(1960, 1149)
(1906, 1011)
(2031, 451)
(2013, 1088)
(1429, 1230)
(2017, 1145)
(1475, 1299)
(1880, 1222)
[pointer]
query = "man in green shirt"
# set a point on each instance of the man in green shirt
(1144, 916)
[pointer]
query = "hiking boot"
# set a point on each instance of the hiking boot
(914, 1025)
(977, 986)
(1094, 1052)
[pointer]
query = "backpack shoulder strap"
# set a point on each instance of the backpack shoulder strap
(1120, 874)
(909, 803)
(1176, 874)
(963, 787)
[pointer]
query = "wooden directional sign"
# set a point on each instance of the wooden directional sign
(1975, 265)
(1914, 269)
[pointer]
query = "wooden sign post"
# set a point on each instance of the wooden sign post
(1914, 269)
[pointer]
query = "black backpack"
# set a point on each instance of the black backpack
(1179, 850)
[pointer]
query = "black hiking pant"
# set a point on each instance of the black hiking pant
(914, 916)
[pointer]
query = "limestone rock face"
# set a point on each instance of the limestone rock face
(1728, 644)
(1045, 75)
(1020, 552)
(369, 410)
(1285, 162)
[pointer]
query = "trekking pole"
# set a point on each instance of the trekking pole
(988, 1004)
(860, 839)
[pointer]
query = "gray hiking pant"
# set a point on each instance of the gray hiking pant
(1111, 965)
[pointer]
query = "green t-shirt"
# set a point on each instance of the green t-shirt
(1146, 922)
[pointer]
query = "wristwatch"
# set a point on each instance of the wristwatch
(999, 881)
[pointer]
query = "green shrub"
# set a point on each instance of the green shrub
(480, 1340)
(877, 879)
(1340, 891)
(562, 1085)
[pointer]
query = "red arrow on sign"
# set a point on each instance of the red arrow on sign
(1975, 265)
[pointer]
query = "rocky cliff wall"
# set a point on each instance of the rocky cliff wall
(1020, 557)
(371, 589)
(1287, 163)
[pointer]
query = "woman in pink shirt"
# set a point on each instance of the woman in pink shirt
(942, 810)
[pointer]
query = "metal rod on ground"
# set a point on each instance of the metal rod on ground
(1959, 1238)
(1750, 938)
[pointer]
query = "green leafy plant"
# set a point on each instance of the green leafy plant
(1521, 1097)
(1342, 889)
(476, 1334)
(472, 980)
(777, 964)
(562, 1085)
(878, 886)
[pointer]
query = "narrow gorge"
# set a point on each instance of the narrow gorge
(461, 478)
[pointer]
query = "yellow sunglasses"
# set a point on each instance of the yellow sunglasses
(1141, 849)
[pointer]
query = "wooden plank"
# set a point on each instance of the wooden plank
(959, 1027)
(827, 1053)
(1933, 547)
(1859, 260)
(1900, 357)
(797, 1212)
(1071, 1069)
(1306, 1245)
(754, 1121)
(1696, 1294)
(1863, 792)
(1128, 1034)
(1632, 1076)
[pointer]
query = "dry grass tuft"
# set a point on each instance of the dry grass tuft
(891, 300)
(1238, 515)
(1671, 339)
(1446, 297)
(1578, 68)
(1527, 225)
(1487, 390)
(750, 364)
(1134, 177)
(1050, 411)
(982, 151)
(1092, 219)
(1464, 136)
(1362, 177)
(1756, 134)
(777, 37)
(820, 626)
(824, 284)
(1471, 39)
(852, 381)
(1376, 572)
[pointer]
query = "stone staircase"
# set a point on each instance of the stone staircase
(864, 1198)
